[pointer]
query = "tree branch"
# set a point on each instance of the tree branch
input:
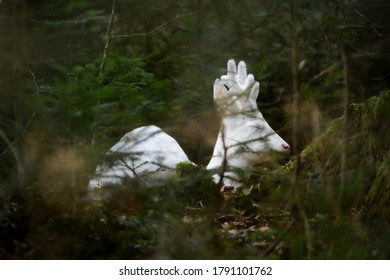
(324, 72)
(372, 24)
(104, 57)
(154, 29)
(109, 37)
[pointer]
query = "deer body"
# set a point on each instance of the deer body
(242, 140)
(241, 143)
(143, 152)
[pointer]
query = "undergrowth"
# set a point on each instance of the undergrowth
(188, 217)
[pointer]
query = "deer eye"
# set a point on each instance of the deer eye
(259, 127)
(228, 84)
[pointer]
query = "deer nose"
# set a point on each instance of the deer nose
(286, 147)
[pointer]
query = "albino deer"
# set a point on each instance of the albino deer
(243, 138)
(244, 135)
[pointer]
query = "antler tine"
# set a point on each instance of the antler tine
(242, 72)
(231, 70)
(254, 92)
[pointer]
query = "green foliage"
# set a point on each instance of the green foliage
(87, 102)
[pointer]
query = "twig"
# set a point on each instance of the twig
(277, 241)
(224, 161)
(104, 57)
(16, 154)
(367, 19)
(372, 24)
(251, 30)
(153, 30)
(328, 70)
(343, 159)
(109, 37)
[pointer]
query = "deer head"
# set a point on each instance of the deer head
(245, 135)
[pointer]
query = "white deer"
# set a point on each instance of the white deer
(243, 138)
(245, 135)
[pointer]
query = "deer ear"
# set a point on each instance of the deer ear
(226, 102)
(220, 92)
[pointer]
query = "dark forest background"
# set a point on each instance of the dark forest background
(76, 75)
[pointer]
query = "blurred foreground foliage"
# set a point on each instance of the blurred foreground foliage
(65, 100)
(187, 217)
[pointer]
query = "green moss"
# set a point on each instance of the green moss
(185, 167)
(378, 198)
(318, 152)
(367, 151)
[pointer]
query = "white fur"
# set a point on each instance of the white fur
(142, 152)
(244, 135)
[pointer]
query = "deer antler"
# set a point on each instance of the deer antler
(237, 81)
(240, 87)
